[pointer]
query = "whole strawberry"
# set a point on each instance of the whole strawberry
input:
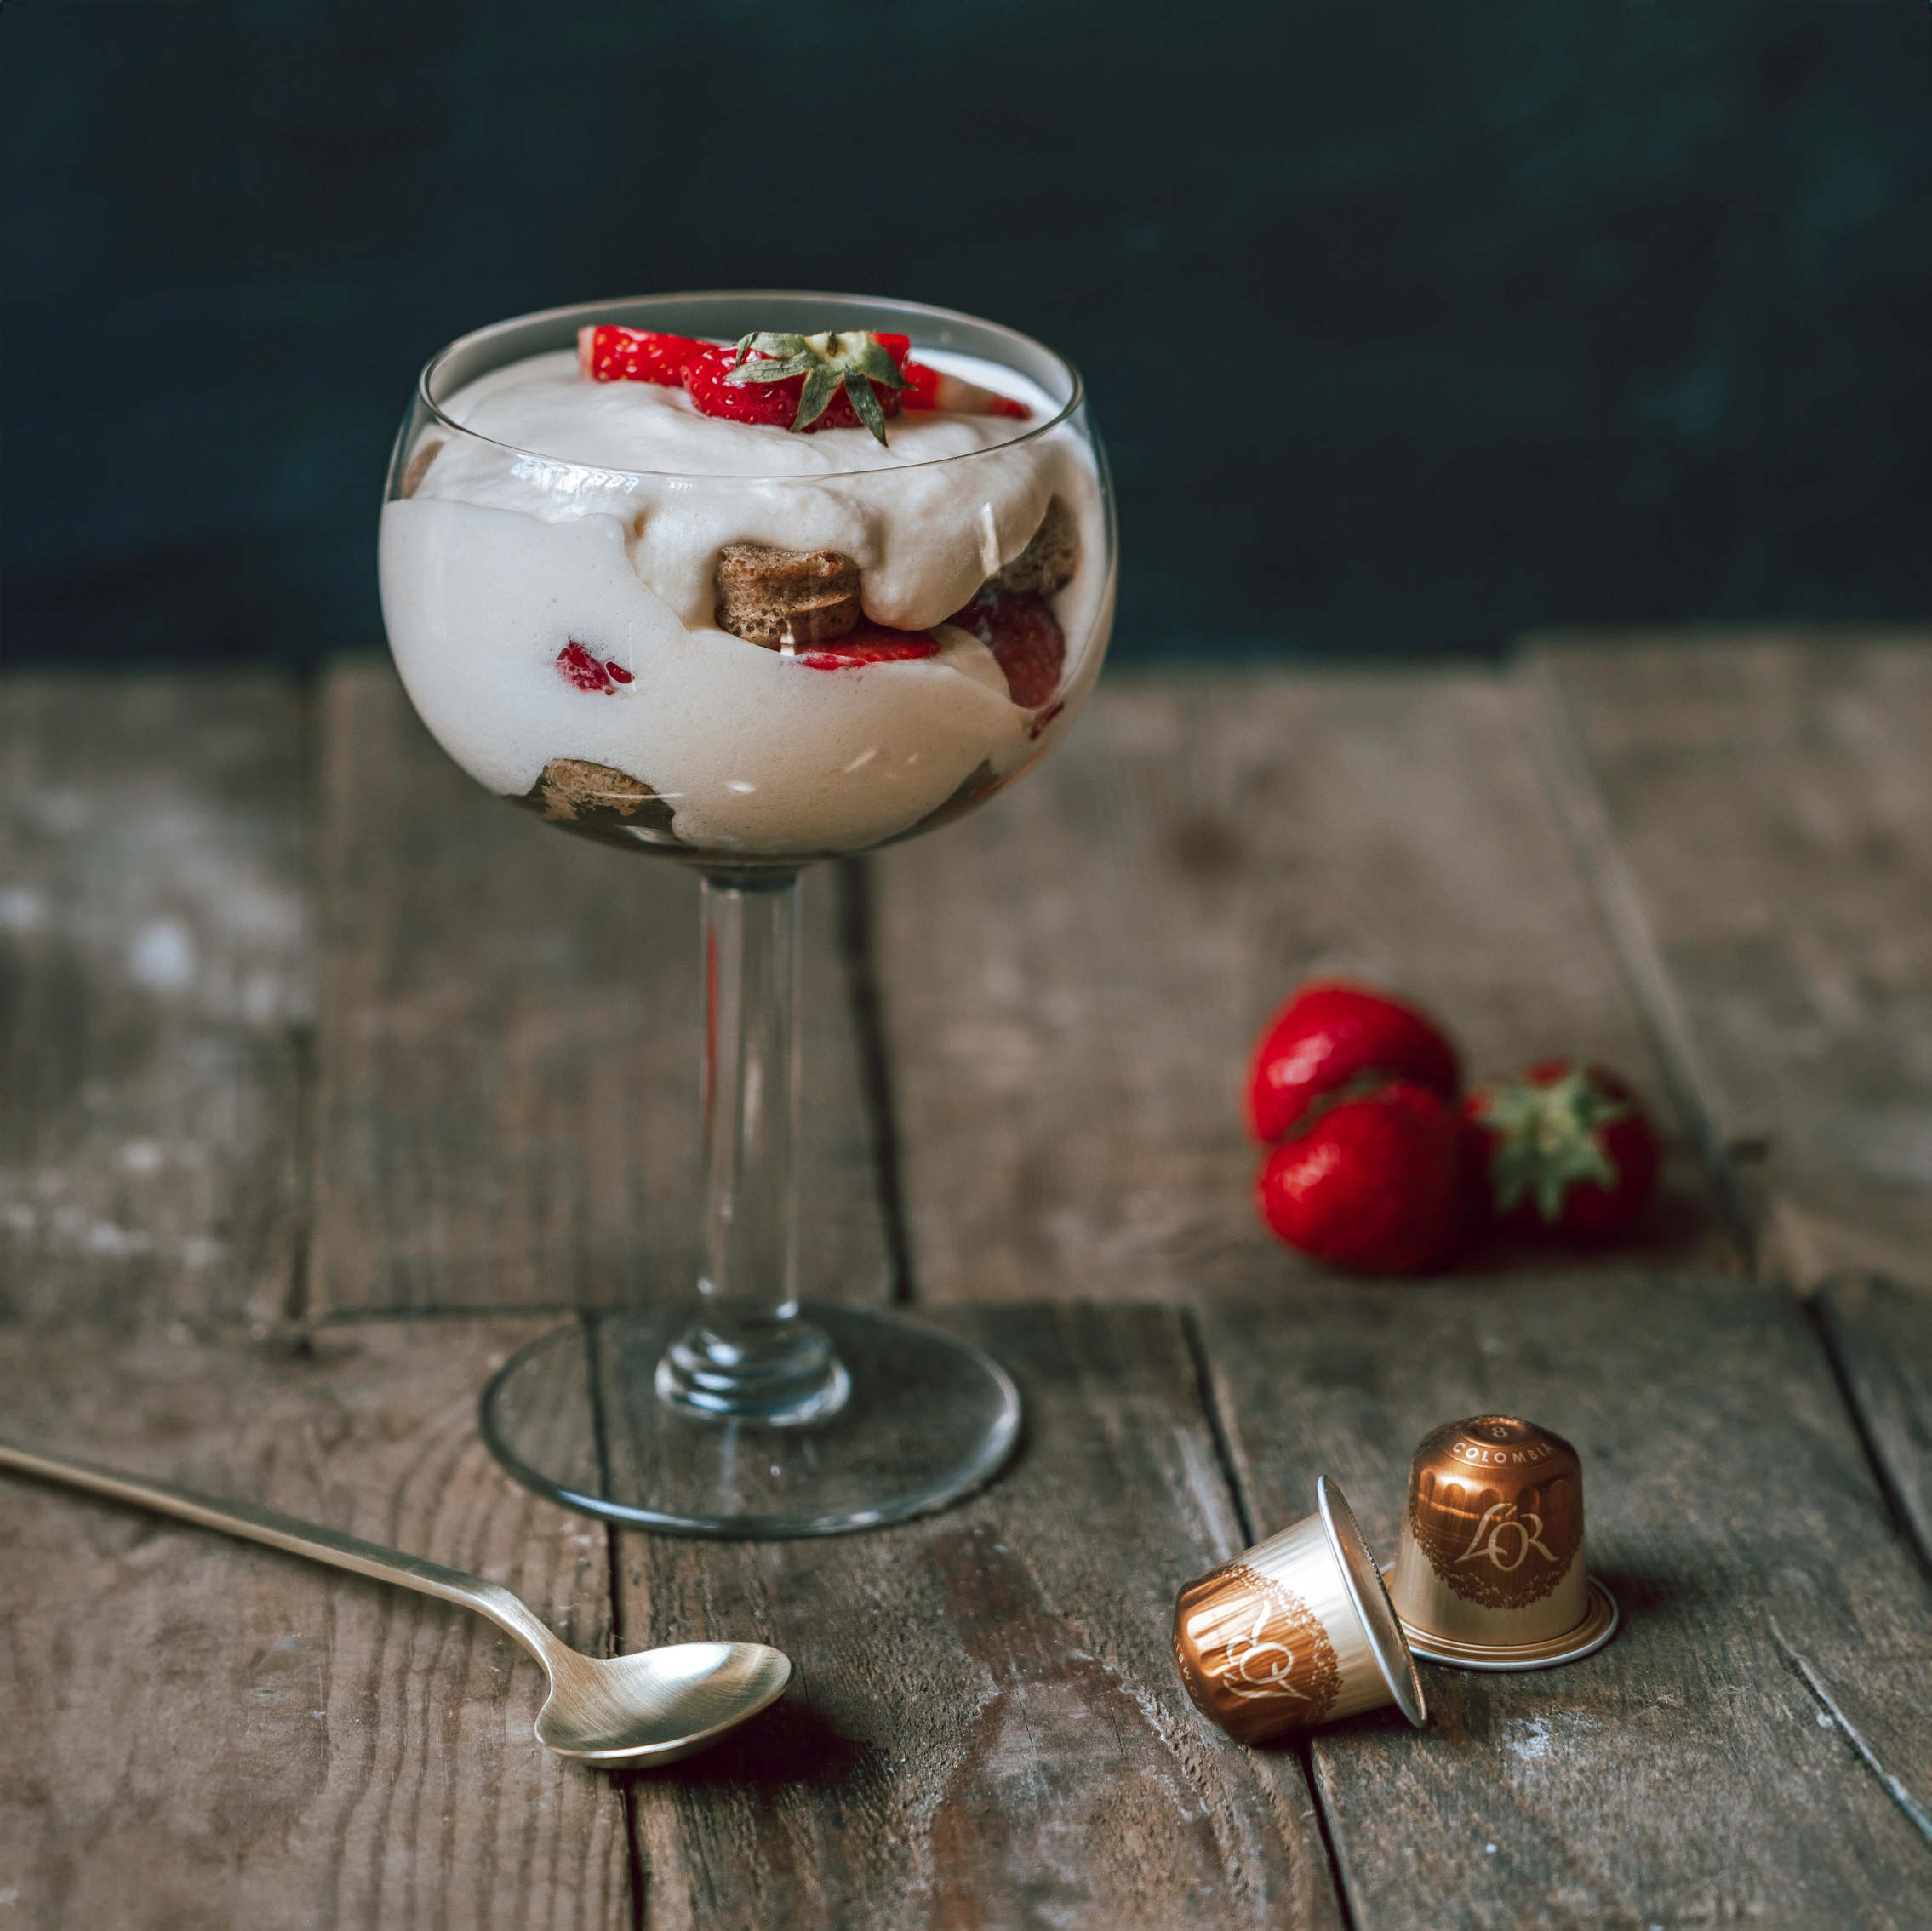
(1564, 1149)
(1330, 1033)
(1371, 1179)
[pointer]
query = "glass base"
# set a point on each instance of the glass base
(577, 1416)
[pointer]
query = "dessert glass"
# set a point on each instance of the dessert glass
(556, 618)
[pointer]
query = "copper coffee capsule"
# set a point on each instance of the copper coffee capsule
(1298, 1630)
(1490, 1573)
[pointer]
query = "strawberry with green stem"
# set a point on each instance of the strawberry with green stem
(1565, 1150)
(803, 382)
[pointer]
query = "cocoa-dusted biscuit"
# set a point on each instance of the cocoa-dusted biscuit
(1046, 562)
(572, 790)
(774, 597)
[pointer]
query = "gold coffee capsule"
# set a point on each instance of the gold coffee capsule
(1490, 1573)
(1298, 1630)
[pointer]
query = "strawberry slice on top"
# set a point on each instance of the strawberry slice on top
(803, 382)
(928, 389)
(869, 643)
(607, 353)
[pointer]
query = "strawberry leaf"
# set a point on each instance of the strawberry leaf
(822, 383)
(865, 407)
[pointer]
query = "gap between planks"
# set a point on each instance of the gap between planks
(1756, 813)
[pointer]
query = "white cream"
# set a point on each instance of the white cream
(610, 537)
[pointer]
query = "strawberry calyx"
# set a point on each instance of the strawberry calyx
(830, 364)
(1548, 1138)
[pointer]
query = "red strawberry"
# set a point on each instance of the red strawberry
(587, 672)
(724, 382)
(927, 389)
(869, 643)
(609, 353)
(1330, 1033)
(1565, 1150)
(1372, 1180)
(1023, 633)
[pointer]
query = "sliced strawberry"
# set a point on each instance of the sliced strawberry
(707, 382)
(869, 643)
(761, 401)
(928, 389)
(1024, 635)
(589, 673)
(609, 353)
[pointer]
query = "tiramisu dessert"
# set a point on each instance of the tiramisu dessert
(748, 602)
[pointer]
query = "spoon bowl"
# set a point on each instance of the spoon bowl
(620, 1712)
(630, 1712)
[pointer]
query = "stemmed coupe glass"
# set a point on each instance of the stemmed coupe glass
(747, 1414)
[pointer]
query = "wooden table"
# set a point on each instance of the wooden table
(327, 1082)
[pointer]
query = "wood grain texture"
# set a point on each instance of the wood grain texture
(1757, 815)
(155, 996)
(1072, 978)
(986, 1728)
(1880, 1335)
(1691, 1773)
(508, 1106)
(201, 1731)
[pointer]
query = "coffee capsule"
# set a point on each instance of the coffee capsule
(1490, 1573)
(1298, 1630)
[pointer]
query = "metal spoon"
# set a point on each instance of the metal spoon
(621, 1711)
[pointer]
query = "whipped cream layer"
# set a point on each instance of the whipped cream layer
(594, 513)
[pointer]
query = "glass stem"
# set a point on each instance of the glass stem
(749, 1356)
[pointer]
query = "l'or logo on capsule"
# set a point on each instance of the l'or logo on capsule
(1496, 1507)
(1491, 1540)
(1258, 1644)
(1258, 1667)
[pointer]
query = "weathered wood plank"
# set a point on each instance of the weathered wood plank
(155, 996)
(1690, 1773)
(508, 1058)
(1757, 815)
(1881, 1335)
(987, 1728)
(1073, 976)
(199, 1731)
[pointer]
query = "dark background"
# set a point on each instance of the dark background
(1408, 327)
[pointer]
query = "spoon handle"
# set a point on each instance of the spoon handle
(299, 1538)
